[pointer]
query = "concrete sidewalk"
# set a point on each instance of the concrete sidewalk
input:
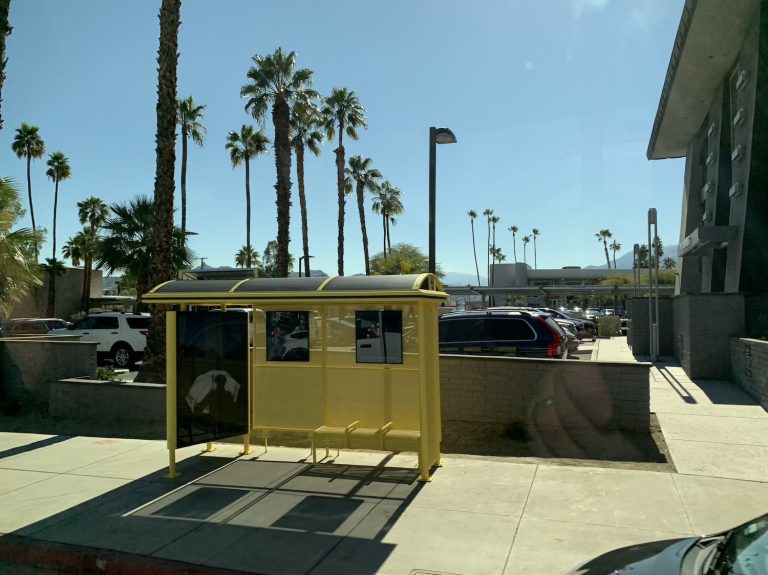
(276, 513)
(365, 512)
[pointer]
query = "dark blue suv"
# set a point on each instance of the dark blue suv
(507, 333)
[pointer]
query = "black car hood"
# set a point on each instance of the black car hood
(655, 558)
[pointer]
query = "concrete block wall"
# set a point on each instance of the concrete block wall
(28, 366)
(547, 395)
(749, 367)
(704, 325)
(107, 401)
(638, 309)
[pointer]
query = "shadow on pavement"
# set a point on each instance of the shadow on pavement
(256, 516)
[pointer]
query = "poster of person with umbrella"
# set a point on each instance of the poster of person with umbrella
(212, 376)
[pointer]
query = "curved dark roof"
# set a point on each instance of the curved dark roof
(196, 286)
(180, 291)
(265, 285)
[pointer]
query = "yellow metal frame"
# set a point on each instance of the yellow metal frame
(337, 401)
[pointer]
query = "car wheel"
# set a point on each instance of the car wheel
(122, 355)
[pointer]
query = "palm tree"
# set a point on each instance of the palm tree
(129, 244)
(188, 117)
(28, 144)
(387, 202)
(58, 170)
(535, 258)
(342, 113)
(5, 30)
(669, 263)
(604, 236)
(17, 250)
(244, 146)
(163, 264)
(514, 230)
(526, 239)
(472, 216)
(245, 257)
(488, 212)
(615, 247)
(74, 248)
(494, 220)
(402, 259)
(274, 79)
(94, 212)
(304, 133)
(366, 178)
(658, 251)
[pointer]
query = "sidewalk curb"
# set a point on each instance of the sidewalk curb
(60, 557)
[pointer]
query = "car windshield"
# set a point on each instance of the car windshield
(744, 551)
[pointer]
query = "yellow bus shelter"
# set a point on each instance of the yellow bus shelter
(352, 361)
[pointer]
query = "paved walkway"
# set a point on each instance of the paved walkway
(277, 513)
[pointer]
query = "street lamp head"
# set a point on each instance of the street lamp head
(444, 136)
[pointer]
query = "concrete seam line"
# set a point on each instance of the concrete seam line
(31, 552)
(520, 519)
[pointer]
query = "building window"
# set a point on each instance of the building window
(287, 336)
(379, 336)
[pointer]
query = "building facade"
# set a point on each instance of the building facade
(713, 111)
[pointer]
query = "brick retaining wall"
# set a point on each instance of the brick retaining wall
(749, 366)
(548, 395)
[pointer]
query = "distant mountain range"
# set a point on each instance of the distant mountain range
(461, 279)
(625, 262)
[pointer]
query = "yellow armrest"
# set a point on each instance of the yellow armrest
(386, 427)
(352, 425)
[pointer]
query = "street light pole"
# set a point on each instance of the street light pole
(436, 136)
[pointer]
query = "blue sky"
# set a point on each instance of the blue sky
(552, 103)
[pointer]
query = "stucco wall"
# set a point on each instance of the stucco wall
(749, 366)
(29, 365)
(548, 395)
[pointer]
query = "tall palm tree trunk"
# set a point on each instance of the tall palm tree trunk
(340, 183)
(165, 161)
(303, 207)
(247, 212)
(474, 250)
(86, 282)
(183, 182)
(384, 231)
(5, 30)
(52, 281)
(361, 211)
(607, 258)
(514, 246)
(535, 256)
(281, 118)
(488, 256)
(493, 274)
(55, 209)
(29, 193)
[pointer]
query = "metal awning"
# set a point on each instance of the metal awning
(250, 291)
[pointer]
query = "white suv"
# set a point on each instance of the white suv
(121, 336)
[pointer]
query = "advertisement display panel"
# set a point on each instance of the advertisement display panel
(212, 376)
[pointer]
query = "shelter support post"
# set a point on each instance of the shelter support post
(170, 391)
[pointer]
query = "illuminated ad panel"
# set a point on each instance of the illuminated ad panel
(212, 376)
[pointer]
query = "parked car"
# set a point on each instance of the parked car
(122, 337)
(33, 326)
(593, 313)
(740, 550)
(584, 328)
(502, 332)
